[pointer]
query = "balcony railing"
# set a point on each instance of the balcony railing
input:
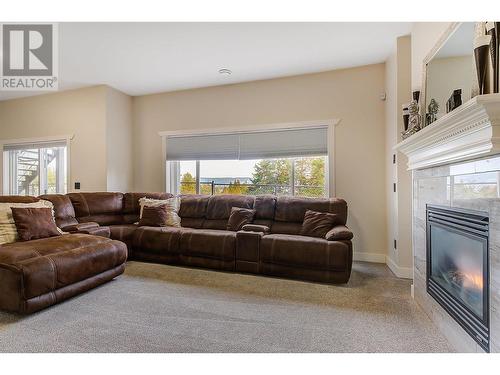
(213, 188)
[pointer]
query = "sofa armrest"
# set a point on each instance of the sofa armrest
(80, 227)
(256, 228)
(338, 233)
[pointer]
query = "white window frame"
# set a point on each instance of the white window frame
(4, 184)
(168, 182)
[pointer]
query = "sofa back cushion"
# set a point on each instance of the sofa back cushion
(64, 212)
(219, 209)
(131, 205)
(264, 206)
(219, 206)
(103, 208)
(290, 212)
(131, 200)
(193, 210)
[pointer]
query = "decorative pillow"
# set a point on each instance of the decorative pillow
(171, 208)
(34, 223)
(8, 231)
(155, 216)
(239, 217)
(317, 224)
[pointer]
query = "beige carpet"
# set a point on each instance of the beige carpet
(158, 308)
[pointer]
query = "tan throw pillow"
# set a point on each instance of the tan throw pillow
(8, 231)
(171, 208)
(34, 223)
(317, 224)
(239, 217)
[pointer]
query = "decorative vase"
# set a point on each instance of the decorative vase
(433, 109)
(457, 98)
(406, 116)
(416, 96)
(481, 56)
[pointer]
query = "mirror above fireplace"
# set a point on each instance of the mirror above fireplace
(449, 73)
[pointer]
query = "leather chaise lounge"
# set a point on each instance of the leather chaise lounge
(39, 273)
(103, 228)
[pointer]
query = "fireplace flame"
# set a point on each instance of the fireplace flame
(473, 280)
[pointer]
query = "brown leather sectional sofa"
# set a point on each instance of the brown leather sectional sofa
(271, 245)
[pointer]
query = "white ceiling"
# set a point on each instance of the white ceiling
(145, 58)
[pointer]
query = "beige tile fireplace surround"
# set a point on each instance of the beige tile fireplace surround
(455, 162)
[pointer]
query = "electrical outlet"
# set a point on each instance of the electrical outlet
(77, 186)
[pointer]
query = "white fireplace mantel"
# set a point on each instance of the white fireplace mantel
(470, 131)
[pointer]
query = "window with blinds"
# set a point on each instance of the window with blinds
(281, 162)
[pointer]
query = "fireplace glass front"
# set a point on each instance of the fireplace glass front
(457, 267)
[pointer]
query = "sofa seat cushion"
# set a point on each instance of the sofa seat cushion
(302, 251)
(157, 239)
(210, 243)
(48, 264)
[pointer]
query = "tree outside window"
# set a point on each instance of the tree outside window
(303, 176)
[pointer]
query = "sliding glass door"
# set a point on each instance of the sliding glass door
(35, 169)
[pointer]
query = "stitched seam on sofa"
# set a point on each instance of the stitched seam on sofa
(188, 256)
(141, 233)
(169, 244)
(11, 267)
(196, 254)
(328, 253)
(54, 268)
(120, 236)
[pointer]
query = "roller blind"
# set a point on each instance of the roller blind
(281, 143)
(30, 146)
(203, 147)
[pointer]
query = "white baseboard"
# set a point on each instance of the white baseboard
(369, 257)
(402, 272)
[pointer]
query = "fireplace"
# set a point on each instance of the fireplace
(457, 267)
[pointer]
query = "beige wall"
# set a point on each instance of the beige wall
(99, 119)
(398, 86)
(81, 113)
(119, 141)
(351, 95)
(404, 189)
(391, 124)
